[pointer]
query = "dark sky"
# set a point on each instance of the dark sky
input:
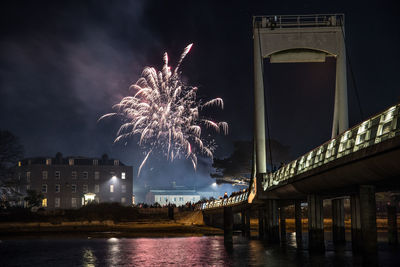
(63, 64)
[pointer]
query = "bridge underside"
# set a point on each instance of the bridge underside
(377, 165)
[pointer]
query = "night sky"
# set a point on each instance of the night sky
(63, 64)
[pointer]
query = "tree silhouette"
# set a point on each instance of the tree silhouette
(10, 152)
(236, 168)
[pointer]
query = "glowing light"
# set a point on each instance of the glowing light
(214, 184)
(163, 113)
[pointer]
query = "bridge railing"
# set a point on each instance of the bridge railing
(217, 203)
(372, 131)
(298, 21)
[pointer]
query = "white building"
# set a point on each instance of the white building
(173, 196)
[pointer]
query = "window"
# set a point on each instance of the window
(44, 174)
(48, 161)
(85, 175)
(58, 188)
(123, 200)
(28, 177)
(123, 188)
(73, 175)
(57, 202)
(95, 162)
(174, 199)
(111, 188)
(85, 188)
(73, 188)
(44, 188)
(71, 162)
(19, 176)
(116, 162)
(96, 188)
(73, 202)
(57, 175)
(19, 164)
(28, 187)
(96, 175)
(44, 202)
(123, 175)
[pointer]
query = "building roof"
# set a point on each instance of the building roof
(78, 160)
(175, 192)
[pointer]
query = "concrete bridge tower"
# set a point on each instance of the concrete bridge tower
(305, 38)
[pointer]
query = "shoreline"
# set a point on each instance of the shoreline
(107, 229)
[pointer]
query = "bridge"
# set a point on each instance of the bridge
(355, 163)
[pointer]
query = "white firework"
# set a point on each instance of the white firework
(164, 113)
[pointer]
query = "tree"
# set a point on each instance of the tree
(236, 168)
(33, 198)
(10, 152)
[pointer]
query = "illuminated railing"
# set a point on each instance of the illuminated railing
(376, 129)
(298, 21)
(217, 203)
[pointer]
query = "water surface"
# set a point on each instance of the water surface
(185, 251)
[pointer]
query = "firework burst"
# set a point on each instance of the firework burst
(164, 113)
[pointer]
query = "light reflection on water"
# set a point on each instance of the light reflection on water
(186, 251)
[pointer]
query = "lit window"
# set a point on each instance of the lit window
(44, 174)
(58, 188)
(73, 188)
(96, 175)
(85, 188)
(85, 175)
(44, 202)
(111, 188)
(71, 162)
(73, 175)
(19, 164)
(123, 200)
(123, 175)
(48, 161)
(28, 177)
(73, 202)
(95, 162)
(116, 162)
(57, 175)
(123, 188)
(96, 188)
(57, 202)
(44, 188)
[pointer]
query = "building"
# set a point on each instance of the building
(178, 197)
(72, 182)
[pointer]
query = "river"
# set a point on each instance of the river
(185, 251)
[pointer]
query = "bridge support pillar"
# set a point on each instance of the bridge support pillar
(315, 223)
(363, 220)
(228, 224)
(243, 221)
(338, 230)
(282, 219)
(356, 238)
(247, 223)
(298, 224)
(272, 221)
(392, 224)
(261, 223)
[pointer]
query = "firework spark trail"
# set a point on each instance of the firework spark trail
(164, 113)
